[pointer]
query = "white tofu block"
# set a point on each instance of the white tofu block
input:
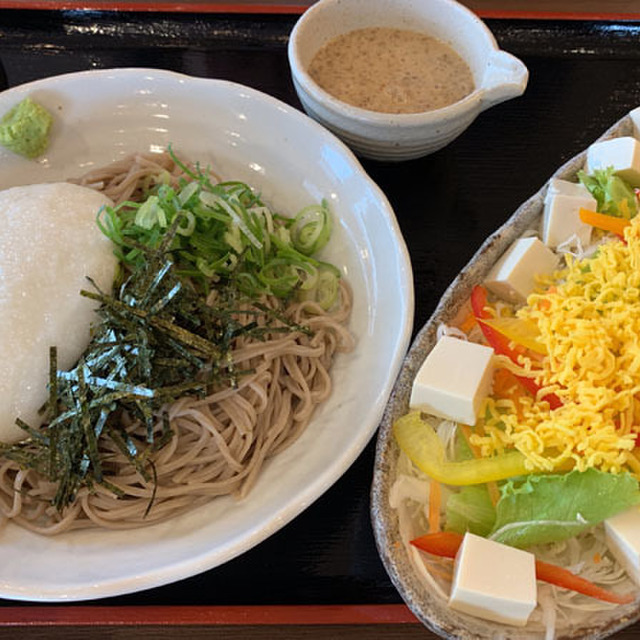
(494, 581)
(561, 218)
(453, 380)
(557, 186)
(513, 276)
(623, 539)
(623, 154)
(634, 114)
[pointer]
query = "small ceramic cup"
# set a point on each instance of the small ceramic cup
(497, 75)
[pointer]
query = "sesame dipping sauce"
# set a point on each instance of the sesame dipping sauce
(391, 70)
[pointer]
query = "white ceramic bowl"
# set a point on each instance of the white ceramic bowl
(497, 74)
(101, 116)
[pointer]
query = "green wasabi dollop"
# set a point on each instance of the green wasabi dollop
(25, 129)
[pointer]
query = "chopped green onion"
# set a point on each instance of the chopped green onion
(223, 232)
(325, 291)
(311, 228)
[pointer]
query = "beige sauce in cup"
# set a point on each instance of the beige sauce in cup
(391, 70)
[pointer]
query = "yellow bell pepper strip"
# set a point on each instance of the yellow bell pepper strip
(604, 221)
(519, 331)
(445, 544)
(420, 442)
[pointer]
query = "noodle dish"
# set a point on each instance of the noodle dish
(189, 303)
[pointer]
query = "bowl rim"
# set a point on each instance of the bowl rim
(378, 118)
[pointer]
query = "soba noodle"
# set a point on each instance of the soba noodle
(220, 442)
(129, 178)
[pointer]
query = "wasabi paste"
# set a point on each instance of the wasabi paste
(25, 129)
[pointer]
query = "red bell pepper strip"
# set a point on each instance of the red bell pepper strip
(560, 577)
(443, 543)
(501, 344)
(446, 544)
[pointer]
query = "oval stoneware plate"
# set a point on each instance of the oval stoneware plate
(404, 565)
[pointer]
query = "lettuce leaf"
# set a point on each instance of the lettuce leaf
(554, 507)
(470, 509)
(462, 450)
(614, 196)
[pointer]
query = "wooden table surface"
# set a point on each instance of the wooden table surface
(583, 78)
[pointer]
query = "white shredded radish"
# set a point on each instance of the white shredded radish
(454, 332)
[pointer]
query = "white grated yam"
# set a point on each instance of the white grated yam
(49, 243)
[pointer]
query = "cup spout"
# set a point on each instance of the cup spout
(505, 77)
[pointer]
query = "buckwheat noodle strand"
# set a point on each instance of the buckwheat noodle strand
(220, 442)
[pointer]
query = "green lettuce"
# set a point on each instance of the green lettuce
(610, 192)
(470, 509)
(461, 449)
(554, 507)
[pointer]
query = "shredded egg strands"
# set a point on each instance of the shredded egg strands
(589, 321)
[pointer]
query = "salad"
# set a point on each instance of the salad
(523, 430)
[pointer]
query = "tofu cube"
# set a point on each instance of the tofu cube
(622, 533)
(623, 154)
(557, 186)
(494, 581)
(513, 276)
(561, 218)
(453, 380)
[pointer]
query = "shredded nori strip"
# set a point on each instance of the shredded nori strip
(156, 340)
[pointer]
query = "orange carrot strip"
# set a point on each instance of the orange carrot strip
(604, 221)
(435, 501)
(468, 323)
(494, 492)
(505, 385)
